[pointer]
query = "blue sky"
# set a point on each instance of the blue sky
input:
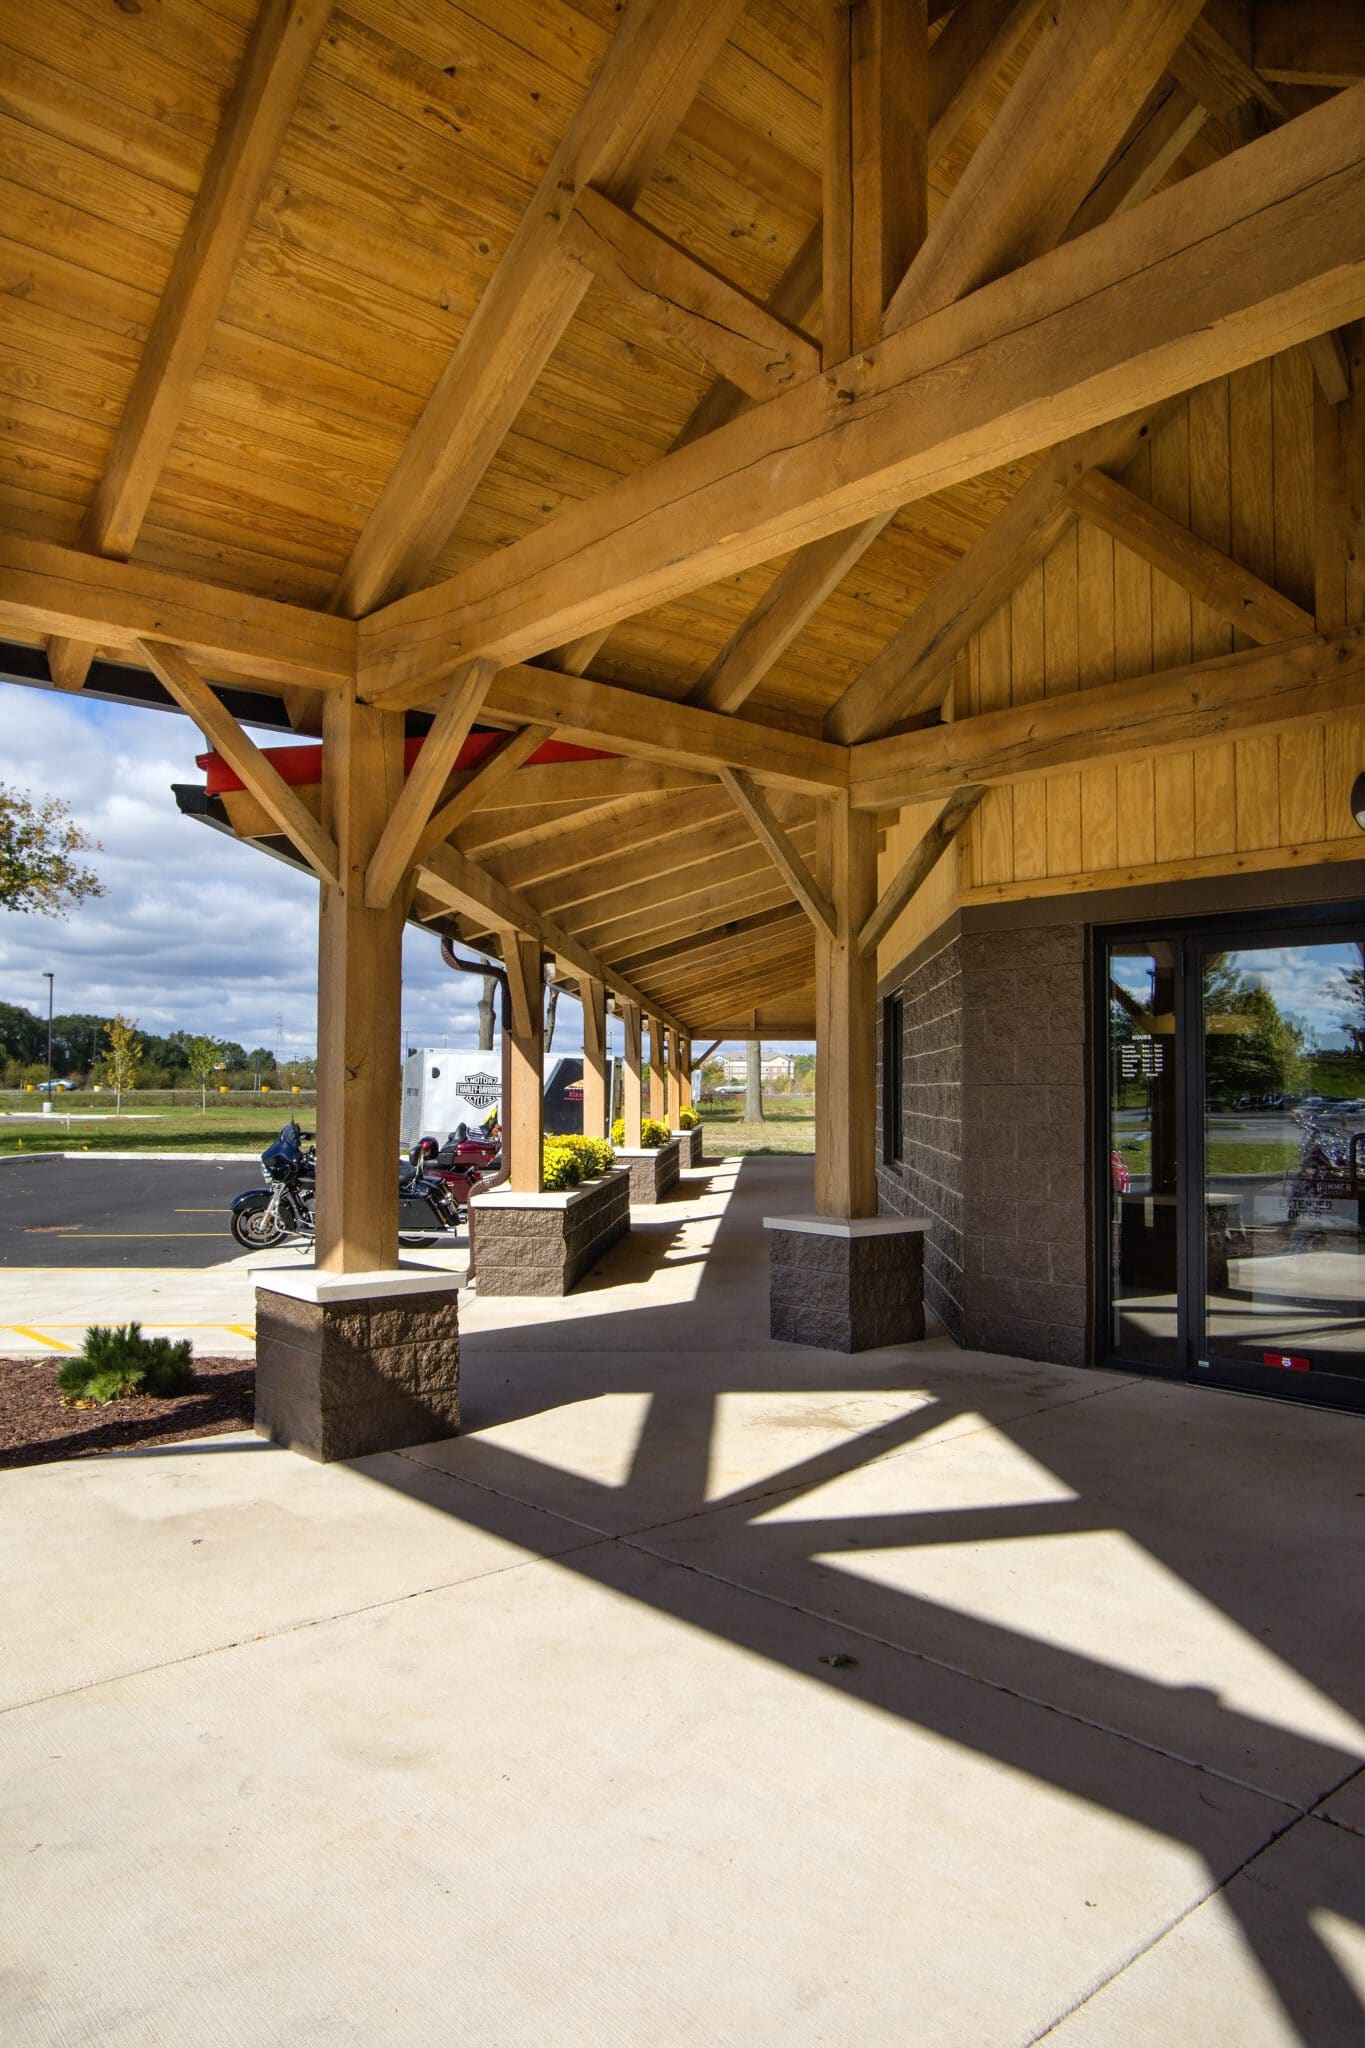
(196, 932)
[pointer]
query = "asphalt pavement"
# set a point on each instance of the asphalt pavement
(119, 1212)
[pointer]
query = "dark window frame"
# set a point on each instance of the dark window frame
(893, 1079)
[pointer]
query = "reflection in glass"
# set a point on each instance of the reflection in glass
(1284, 1157)
(1143, 1153)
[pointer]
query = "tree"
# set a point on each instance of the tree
(486, 1014)
(39, 870)
(1349, 992)
(753, 1082)
(121, 1060)
(202, 1056)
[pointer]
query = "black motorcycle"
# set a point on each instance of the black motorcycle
(284, 1207)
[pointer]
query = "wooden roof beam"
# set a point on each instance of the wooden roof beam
(875, 153)
(685, 301)
(644, 85)
(1262, 689)
(411, 815)
(756, 810)
(915, 871)
(1247, 258)
(178, 674)
(1213, 577)
(279, 52)
(733, 931)
(479, 784)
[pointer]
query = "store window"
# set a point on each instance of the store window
(893, 1052)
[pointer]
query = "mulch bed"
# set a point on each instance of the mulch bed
(38, 1428)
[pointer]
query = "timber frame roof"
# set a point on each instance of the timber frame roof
(649, 403)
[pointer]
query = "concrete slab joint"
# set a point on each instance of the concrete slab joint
(545, 1244)
(349, 1364)
(846, 1283)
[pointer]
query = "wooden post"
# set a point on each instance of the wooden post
(674, 1089)
(523, 1118)
(594, 997)
(631, 1017)
(360, 969)
(685, 1073)
(656, 1069)
(846, 1017)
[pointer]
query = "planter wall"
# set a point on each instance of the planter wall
(654, 1172)
(544, 1244)
(689, 1147)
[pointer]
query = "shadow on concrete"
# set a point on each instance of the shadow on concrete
(1243, 1503)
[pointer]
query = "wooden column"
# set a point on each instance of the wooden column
(673, 1095)
(523, 1118)
(656, 1069)
(630, 1092)
(875, 162)
(685, 1073)
(360, 975)
(594, 997)
(846, 1017)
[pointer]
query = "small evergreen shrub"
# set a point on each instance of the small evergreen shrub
(688, 1119)
(652, 1132)
(118, 1362)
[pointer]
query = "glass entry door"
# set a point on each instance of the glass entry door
(1235, 1176)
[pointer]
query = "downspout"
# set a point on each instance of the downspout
(498, 974)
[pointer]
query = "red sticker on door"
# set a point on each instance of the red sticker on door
(1285, 1360)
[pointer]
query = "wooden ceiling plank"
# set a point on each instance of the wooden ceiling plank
(743, 898)
(1263, 688)
(686, 301)
(915, 871)
(1331, 366)
(734, 931)
(1309, 42)
(492, 773)
(1214, 63)
(412, 814)
(178, 674)
(1093, 65)
(279, 53)
(1214, 578)
(600, 845)
(910, 673)
(646, 82)
(1250, 256)
(755, 808)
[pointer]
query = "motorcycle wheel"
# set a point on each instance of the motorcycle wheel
(252, 1227)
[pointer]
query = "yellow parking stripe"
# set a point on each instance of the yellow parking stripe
(37, 1337)
(237, 1329)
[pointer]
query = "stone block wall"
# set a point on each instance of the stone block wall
(544, 1245)
(654, 1172)
(343, 1379)
(845, 1293)
(690, 1146)
(994, 1068)
(928, 1180)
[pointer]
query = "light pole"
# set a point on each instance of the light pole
(49, 1032)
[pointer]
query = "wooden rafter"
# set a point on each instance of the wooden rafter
(402, 834)
(1260, 690)
(1308, 42)
(643, 88)
(875, 161)
(910, 673)
(587, 851)
(279, 52)
(733, 931)
(1214, 578)
(1255, 253)
(177, 673)
(1215, 63)
(678, 864)
(1158, 138)
(915, 871)
(493, 773)
(754, 807)
(737, 335)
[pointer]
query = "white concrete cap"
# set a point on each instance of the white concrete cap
(848, 1226)
(306, 1283)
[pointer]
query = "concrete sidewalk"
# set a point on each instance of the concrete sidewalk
(702, 1691)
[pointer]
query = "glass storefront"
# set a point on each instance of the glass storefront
(1234, 1167)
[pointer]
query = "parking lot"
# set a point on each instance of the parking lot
(119, 1212)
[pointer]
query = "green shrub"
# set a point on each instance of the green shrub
(116, 1363)
(652, 1132)
(560, 1166)
(688, 1120)
(594, 1155)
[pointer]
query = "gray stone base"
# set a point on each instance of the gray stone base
(339, 1375)
(689, 1147)
(654, 1172)
(845, 1286)
(544, 1244)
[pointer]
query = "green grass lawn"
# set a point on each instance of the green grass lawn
(150, 1123)
(788, 1126)
(1229, 1155)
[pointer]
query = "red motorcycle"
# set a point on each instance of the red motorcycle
(466, 1157)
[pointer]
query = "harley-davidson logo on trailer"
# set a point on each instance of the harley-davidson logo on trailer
(1285, 1360)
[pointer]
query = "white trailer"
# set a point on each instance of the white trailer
(443, 1088)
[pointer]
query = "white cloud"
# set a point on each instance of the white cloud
(197, 932)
